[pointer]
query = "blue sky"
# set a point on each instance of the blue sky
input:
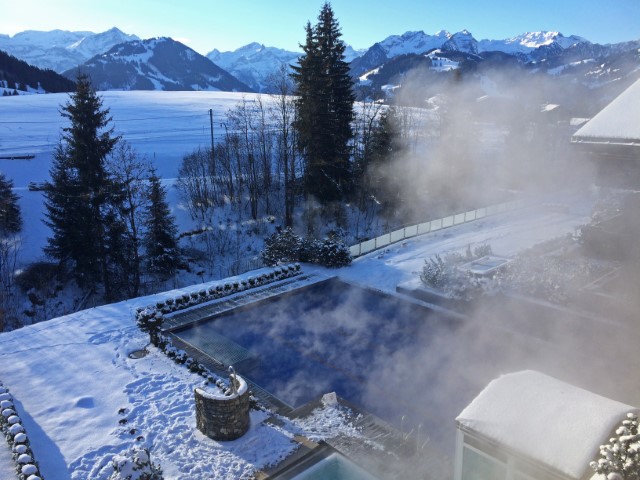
(230, 24)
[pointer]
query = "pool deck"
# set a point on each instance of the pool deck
(379, 448)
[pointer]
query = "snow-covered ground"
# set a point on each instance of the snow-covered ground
(7, 465)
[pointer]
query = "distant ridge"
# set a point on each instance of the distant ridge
(156, 64)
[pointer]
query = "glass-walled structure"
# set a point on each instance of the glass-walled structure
(529, 426)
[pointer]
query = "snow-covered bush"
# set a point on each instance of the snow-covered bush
(620, 458)
(332, 253)
(434, 272)
(282, 246)
(482, 251)
(445, 275)
(136, 465)
(150, 320)
(286, 246)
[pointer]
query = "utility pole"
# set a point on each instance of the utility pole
(213, 157)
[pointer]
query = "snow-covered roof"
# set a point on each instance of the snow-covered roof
(617, 123)
(545, 419)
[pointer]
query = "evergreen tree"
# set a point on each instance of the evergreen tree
(10, 226)
(79, 195)
(160, 238)
(324, 110)
(10, 216)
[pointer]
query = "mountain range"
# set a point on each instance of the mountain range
(60, 50)
(156, 64)
(116, 60)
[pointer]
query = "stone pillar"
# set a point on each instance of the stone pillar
(223, 417)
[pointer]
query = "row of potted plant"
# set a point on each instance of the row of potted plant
(11, 425)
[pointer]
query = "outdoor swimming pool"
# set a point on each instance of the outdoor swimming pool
(335, 467)
(328, 337)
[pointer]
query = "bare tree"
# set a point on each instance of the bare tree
(131, 172)
(197, 184)
(282, 114)
(365, 125)
(244, 120)
(264, 144)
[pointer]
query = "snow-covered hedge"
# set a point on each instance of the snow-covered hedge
(285, 246)
(150, 319)
(11, 426)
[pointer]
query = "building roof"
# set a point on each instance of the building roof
(617, 123)
(544, 419)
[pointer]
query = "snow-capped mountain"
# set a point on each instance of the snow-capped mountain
(156, 64)
(461, 42)
(386, 62)
(528, 46)
(253, 63)
(413, 42)
(60, 50)
(528, 42)
(395, 45)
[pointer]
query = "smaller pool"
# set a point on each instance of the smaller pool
(334, 467)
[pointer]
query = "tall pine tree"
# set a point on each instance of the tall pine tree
(324, 110)
(10, 226)
(10, 216)
(78, 196)
(160, 237)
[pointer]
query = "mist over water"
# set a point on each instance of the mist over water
(503, 138)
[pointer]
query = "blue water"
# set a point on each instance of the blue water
(329, 337)
(334, 467)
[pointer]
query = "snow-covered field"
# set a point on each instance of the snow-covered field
(161, 126)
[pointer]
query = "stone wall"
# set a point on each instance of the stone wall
(223, 417)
